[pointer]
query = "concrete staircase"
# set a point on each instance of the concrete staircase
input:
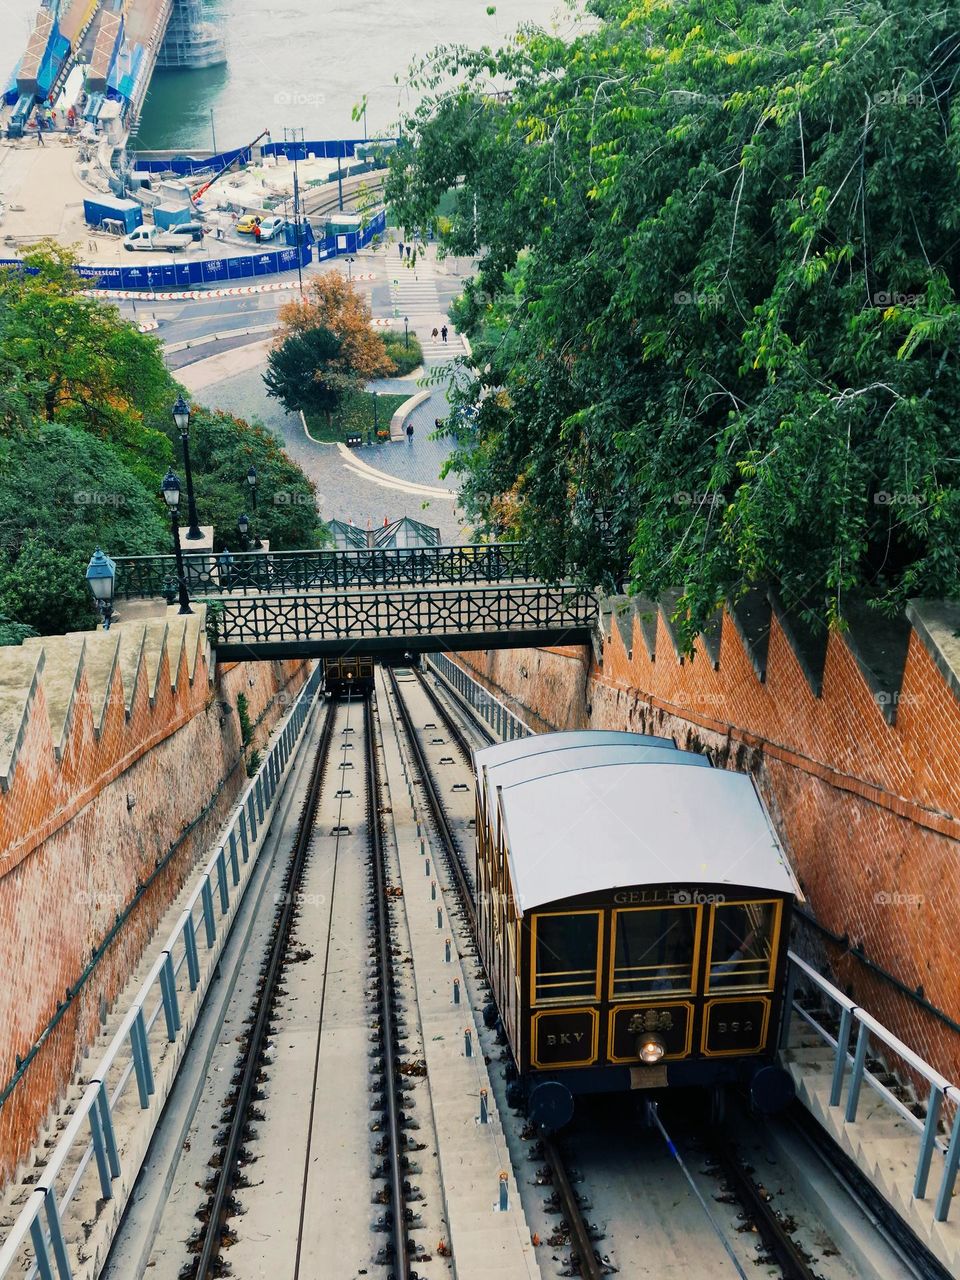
(879, 1142)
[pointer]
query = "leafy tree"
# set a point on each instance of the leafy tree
(222, 450)
(333, 303)
(304, 372)
(79, 362)
(64, 494)
(715, 321)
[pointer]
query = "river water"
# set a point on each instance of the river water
(307, 65)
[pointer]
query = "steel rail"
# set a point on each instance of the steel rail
(590, 1267)
(216, 1220)
(455, 861)
(774, 1234)
(455, 730)
(401, 1250)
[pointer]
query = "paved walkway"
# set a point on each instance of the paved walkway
(368, 484)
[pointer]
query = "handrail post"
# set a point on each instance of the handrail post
(38, 1236)
(927, 1143)
(840, 1063)
(109, 1137)
(222, 882)
(100, 1153)
(244, 842)
(234, 860)
(168, 990)
(856, 1080)
(193, 959)
(949, 1172)
(206, 894)
(141, 1059)
(786, 1016)
(56, 1234)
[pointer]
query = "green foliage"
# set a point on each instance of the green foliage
(63, 494)
(14, 632)
(302, 372)
(243, 715)
(222, 450)
(254, 760)
(407, 356)
(356, 413)
(716, 315)
(78, 362)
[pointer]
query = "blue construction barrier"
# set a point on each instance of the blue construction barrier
(326, 149)
(351, 241)
(191, 275)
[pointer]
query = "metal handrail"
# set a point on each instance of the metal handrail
(97, 1104)
(241, 572)
(850, 1069)
(505, 723)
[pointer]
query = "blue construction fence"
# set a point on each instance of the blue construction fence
(220, 271)
(324, 149)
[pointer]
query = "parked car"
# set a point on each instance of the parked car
(271, 227)
(248, 222)
(189, 230)
(152, 238)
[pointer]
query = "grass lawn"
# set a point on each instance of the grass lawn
(355, 414)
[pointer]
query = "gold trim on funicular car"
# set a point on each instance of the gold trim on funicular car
(694, 968)
(575, 1062)
(558, 1000)
(626, 1008)
(777, 904)
(739, 999)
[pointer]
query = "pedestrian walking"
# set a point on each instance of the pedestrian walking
(401, 247)
(408, 253)
(40, 141)
(256, 232)
(443, 333)
(409, 433)
(435, 334)
(438, 423)
(386, 522)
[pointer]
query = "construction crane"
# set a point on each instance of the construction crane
(201, 191)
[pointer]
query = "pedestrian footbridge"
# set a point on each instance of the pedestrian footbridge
(265, 605)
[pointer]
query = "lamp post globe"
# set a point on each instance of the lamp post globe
(171, 489)
(243, 525)
(252, 482)
(181, 416)
(101, 576)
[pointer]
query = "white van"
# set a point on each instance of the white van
(155, 239)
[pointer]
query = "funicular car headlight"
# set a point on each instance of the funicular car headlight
(651, 1048)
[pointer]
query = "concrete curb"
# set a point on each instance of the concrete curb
(365, 470)
(218, 337)
(398, 421)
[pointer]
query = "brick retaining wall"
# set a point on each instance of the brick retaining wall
(867, 809)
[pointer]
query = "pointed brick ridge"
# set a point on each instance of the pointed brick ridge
(937, 623)
(646, 611)
(751, 614)
(20, 673)
(65, 661)
(809, 646)
(879, 643)
(668, 607)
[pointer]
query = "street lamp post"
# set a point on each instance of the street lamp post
(406, 331)
(349, 261)
(181, 416)
(376, 420)
(171, 496)
(101, 574)
(243, 524)
(252, 482)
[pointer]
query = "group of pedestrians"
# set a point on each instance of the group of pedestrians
(440, 333)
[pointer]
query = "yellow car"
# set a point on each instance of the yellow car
(248, 222)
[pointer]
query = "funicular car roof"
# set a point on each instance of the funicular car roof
(536, 743)
(618, 826)
(562, 759)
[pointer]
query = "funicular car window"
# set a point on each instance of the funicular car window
(654, 950)
(742, 946)
(567, 956)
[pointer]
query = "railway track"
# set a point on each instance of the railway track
(584, 1256)
(209, 1260)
